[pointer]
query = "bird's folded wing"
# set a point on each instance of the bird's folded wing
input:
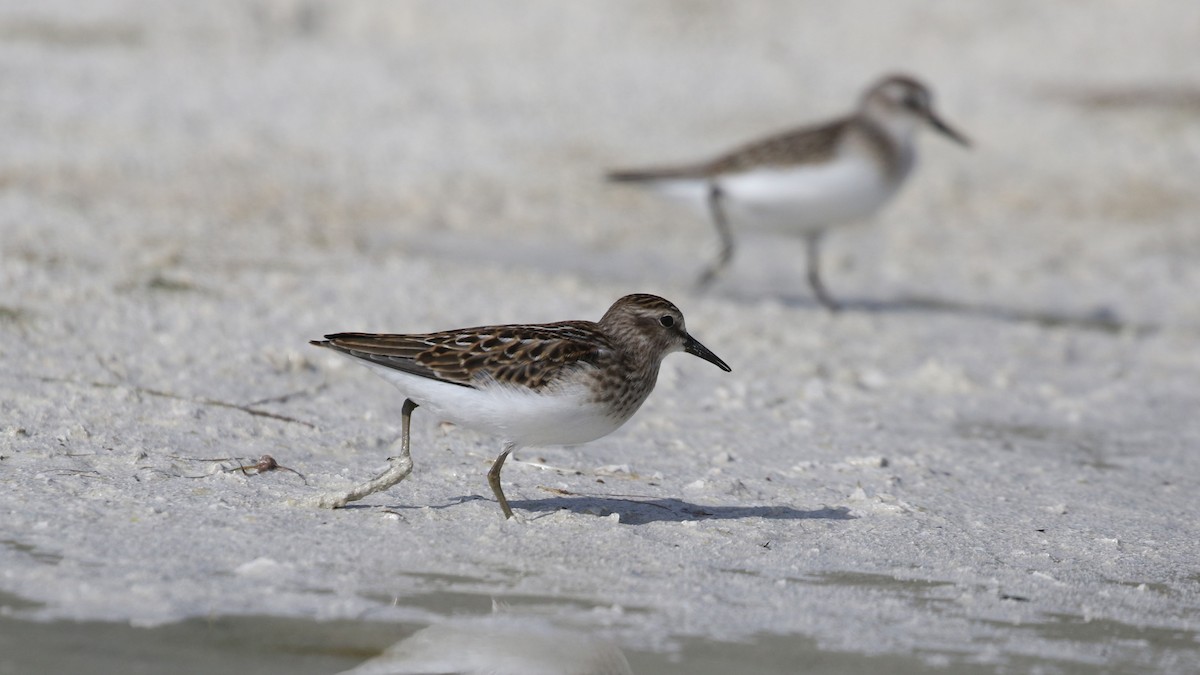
(809, 144)
(806, 145)
(527, 356)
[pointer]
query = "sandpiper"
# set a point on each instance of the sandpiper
(808, 179)
(541, 384)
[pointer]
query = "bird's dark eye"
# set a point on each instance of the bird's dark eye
(912, 102)
(667, 321)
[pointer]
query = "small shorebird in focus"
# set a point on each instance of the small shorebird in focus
(530, 384)
(810, 179)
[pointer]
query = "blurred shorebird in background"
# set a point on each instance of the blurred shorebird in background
(810, 179)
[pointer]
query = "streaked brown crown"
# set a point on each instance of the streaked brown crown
(897, 93)
(645, 324)
(905, 100)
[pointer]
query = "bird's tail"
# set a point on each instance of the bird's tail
(655, 174)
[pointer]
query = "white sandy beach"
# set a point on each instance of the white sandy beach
(989, 461)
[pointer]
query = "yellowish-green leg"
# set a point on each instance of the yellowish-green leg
(400, 466)
(717, 210)
(813, 244)
(494, 479)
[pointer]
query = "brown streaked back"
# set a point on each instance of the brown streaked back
(806, 145)
(530, 356)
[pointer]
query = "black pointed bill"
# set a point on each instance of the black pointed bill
(947, 130)
(693, 347)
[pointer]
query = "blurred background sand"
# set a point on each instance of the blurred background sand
(1000, 434)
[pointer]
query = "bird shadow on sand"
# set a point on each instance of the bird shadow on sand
(640, 512)
(1102, 319)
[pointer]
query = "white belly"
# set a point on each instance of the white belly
(801, 199)
(563, 417)
(807, 198)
